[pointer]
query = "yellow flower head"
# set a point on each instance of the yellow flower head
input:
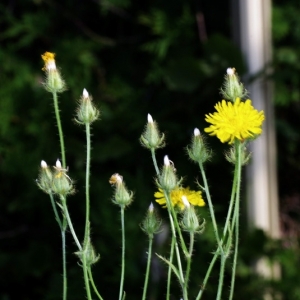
(238, 120)
(194, 197)
(48, 58)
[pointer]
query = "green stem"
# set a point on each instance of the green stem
(60, 132)
(210, 205)
(87, 181)
(86, 277)
(170, 269)
(65, 279)
(63, 227)
(66, 213)
(211, 265)
(154, 161)
(221, 276)
(189, 260)
(236, 217)
(148, 268)
(93, 283)
(123, 254)
(57, 218)
(169, 206)
(231, 205)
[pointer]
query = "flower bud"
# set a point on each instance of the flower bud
(53, 82)
(190, 220)
(45, 178)
(232, 87)
(231, 156)
(168, 179)
(86, 111)
(151, 137)
(88, 253)
(62, 183)
(198, 151)
(151, 224)
(122, 196)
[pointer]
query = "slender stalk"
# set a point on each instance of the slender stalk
(87, 181)
(65, 279)
(211, 208)
(231, 205)
(123, 254)
(57, 218)
(236, 218)
(148, 268)
(183, 246)
(189, 260)
(169, 205)
(169, 268)
(93, 283)
(221, 277)
(154, 161)
(60, 132)
(211, 265)
(66, 213)
(86, 277)
(63, 227)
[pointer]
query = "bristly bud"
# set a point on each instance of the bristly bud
(197, 150)
(168, 180)
(151, 137)
(54, 82)
(190, 220)
(62, 184)
(45, 178)
(88, 254)
(151, 224)
(86, 111)
(122, 196)
(231, 156)
(232, 87)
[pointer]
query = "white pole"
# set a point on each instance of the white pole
(262, 194)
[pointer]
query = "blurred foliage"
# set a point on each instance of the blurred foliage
(134, 58)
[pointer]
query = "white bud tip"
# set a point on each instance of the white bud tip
(230, 71)
(196, 132)
(58, 164)
(166, 161)
(151, 208)
(119, 178)
(85, 93)
(43, 164)
(150, 120)
(185, 201)
(51, 65)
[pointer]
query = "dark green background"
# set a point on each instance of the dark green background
(134, 57)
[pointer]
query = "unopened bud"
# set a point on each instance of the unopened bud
(62, 184)
(86, 111)
(197, 150)
(168, 179)
(54, 82)
(151, 224)
(190, 220)
(232, 87)
(122, 196)
(151, 137)
(45, 178)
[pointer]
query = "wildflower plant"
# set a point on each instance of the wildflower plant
(235, 122)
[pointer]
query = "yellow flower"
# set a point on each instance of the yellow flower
(238, 120)
(194, 197)
(48, 58)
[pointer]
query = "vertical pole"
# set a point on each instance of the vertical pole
(254, 37)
